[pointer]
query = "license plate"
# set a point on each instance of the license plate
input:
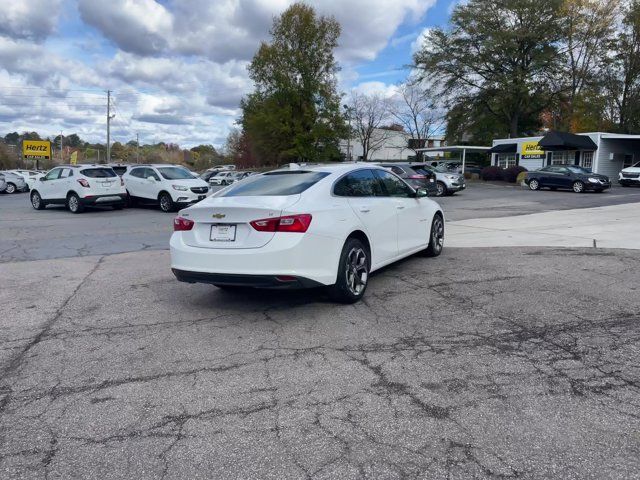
(223, 233)
(106, 184)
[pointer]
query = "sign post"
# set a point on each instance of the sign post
(36, 150)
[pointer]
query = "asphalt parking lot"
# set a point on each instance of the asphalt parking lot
(481, 363)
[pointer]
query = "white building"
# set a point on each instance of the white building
(388, 145)
(604, 153)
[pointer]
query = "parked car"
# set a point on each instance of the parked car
(455, 166)
(353, 218)
(225, 177)
(447, 183)
(414, 178)
(29, 176)
(3, 184)
(208, 174)
(578, 179)
(170, 186)
(79, 186)
(630, 176)
(15, 182)
(243, 175)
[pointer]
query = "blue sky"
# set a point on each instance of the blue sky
(177, 67)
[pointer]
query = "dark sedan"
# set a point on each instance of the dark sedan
(422, 179)
(573, 177)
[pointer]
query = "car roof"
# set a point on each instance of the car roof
(337, 168)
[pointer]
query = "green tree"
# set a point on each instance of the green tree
(622, 72)
(294, 113)
(500, 57)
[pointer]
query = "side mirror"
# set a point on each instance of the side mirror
(151, 179)
(421, 192)
(42, 179)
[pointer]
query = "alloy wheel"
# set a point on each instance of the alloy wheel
(437, 234)
(356, 270)
(35, 201)
(73, 203)
(11, 188)
(578, 187)
(441, 189)
(534, 185)
(164, 203)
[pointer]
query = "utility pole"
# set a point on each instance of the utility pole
(61, 159)
(109, 117)
(137, 148)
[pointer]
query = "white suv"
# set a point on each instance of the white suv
(170, 186)
(226, 177)
(630, 176)
(78, 186)
(30, 176)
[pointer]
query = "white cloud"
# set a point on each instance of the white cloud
(178, 69)
(29, 19)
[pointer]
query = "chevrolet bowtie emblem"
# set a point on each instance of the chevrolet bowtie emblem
(218, 215)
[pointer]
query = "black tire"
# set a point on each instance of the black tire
(534, 184)
(36, 201)
(436, 238)
(624, 185)
(74, 204)
(441, 189)
(11, 188)
(353, 273)
(166, 202)
(578, 186)
(131, 202)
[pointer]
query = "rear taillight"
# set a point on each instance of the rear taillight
(290, 223)
(181, 224)
(83, 182)
(418, 177)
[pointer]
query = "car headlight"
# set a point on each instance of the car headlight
(181, 188)
(451, 177)
(594, 180)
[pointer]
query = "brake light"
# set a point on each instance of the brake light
(290, 223)
(181, 224)
(83, 182)
(418, 177)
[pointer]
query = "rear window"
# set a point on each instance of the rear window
(98, 172)
(275, 183)
(120, 170)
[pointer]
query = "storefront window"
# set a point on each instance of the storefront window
(505, 160)
(563, 157)
(587, 159)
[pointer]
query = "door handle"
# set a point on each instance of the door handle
(365, 209)
(400, 207)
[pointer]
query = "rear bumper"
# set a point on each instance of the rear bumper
(236, 280)
(311, 258)
(97, 200)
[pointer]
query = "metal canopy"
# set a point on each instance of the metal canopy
(504, 148)
(456, 148)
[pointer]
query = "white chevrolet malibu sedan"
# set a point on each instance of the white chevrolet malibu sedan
(328, 225)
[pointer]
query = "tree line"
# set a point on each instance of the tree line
(197, 158)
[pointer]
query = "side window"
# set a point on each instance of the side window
(394, 187)
(397, 170)
(136, 172)
(562, 170)
(66, 173)
(53, 174)
(150, 172)
(361, 183)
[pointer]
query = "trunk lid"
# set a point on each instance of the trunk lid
(223, 222)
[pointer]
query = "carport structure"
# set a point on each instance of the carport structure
(462, 149)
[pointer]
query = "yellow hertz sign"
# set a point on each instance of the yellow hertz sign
(36, 148)
(531, 150)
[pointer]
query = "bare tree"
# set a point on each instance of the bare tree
(417, 111)
(368, 112)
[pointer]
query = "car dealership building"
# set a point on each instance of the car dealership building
(604, 153)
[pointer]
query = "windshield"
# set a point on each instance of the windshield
(579, 169)
(275, 183)
(98, 172)
(175, 173)
(636, 165)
